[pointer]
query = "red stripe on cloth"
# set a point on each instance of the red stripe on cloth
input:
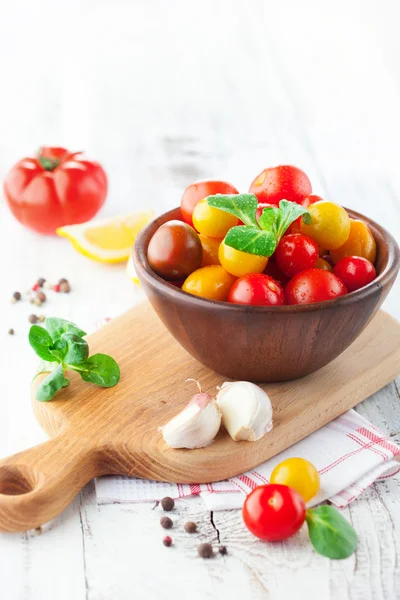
(248, 481)
(353, 436)
(388, 476)
(259, 476)
(342, 458)
(194, 489)
(381, 441)
(180, 490)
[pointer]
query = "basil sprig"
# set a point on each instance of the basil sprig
(330, 533)
(61, 346)
(257, 237)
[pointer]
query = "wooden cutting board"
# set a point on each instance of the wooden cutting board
(98, 431)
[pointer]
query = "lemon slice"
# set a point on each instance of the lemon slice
(108, 240)
(131, 271)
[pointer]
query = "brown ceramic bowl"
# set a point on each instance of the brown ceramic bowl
(264, 344)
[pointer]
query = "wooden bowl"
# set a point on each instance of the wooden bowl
(265, 344)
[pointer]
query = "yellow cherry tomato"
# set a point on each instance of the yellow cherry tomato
(240, 263)
(211, 282)
(210, 250)
(211, 221)
(323, 264)
(360, 242)
(299, 474)
(330, 226)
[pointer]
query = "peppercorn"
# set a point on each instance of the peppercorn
(190, 527)
(37, 302)
(167, 503)
(41, 318)
(33, 319)
(41, 296)
(62, 280)
(166, 522)
(41, 281)
(17, 296)
(11, 331)
(223, 550)
(167, 541)
(205, 551)
(64, 287)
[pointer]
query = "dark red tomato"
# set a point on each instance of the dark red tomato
(308, 200)
(355, 272)
(56, 188)
(260, 208)
(201, 189)
(314, 285)
(296, 252)
(274, 271)
(257, 289)
(281, 183)
(175, 251)
(274, 512)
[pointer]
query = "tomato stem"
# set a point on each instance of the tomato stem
(48, 164)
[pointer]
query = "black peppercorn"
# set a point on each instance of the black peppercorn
(190, 527)
(11, 331)
(205, 550)
(166, 522)
(167, 503)
(62, 280)
(33, 319)
(64, 287)
(41, 281)
(41, 296)
(167, 541)
(17, 296)
(223, 550)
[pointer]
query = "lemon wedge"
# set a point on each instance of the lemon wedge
(107, 240)
(131, 271)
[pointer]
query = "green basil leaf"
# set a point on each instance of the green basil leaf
(77, 349)
(330, 534)
(243, 206)
(290, 211)
(44, 367)
(100, 369)
(251, 240)
(269, 218)
(54, 382)
(56, 327)
(41, 342)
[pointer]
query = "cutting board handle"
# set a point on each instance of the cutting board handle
(37, 484)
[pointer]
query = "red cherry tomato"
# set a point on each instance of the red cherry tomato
(274, 271)
(56, 188)
(295, 253)
(257, 289)
(199, 190)
(281, 183)
(308, 200)
(355, 272)
(314, 285)
(274, 512)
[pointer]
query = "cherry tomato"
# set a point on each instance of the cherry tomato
(274, 512)
(314, 285)
(299, 474)
(295, 253)
(330, 226)
(281, 183)
(308, 200)
(210, 250)
(56, 188)
(360, 242)
(211, 282)
(257, 289)
(175, 250)
(240, 263)
(323, 264)
(199, 190)
(211, 221)
(274, 271)
(355, 272)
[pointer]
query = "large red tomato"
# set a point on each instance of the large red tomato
(281, 183)
(54, 189)
(201, 189)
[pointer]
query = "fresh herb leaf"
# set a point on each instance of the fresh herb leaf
(289, 212)
(251, 240)
(243, 206)
(268, 218)
(330, 534)
(54, 382)
(100, 369)
(41, 342)
(77, 349)
(56, 327)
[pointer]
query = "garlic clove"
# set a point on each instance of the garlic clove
(195, 426)
(246, 410)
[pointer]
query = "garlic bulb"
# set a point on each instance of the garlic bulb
(246, 410)
(195, 426)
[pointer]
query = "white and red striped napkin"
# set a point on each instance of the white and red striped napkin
(349, 453)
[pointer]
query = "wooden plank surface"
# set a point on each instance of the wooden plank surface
(164, 93)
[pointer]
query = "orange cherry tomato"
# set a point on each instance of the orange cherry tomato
(211, 282)
(240, 263)
(330, 226)
(299, 474)
(211, 221)
(360, 242)
(210, 250)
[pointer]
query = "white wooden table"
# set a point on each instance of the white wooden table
(163, 93)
